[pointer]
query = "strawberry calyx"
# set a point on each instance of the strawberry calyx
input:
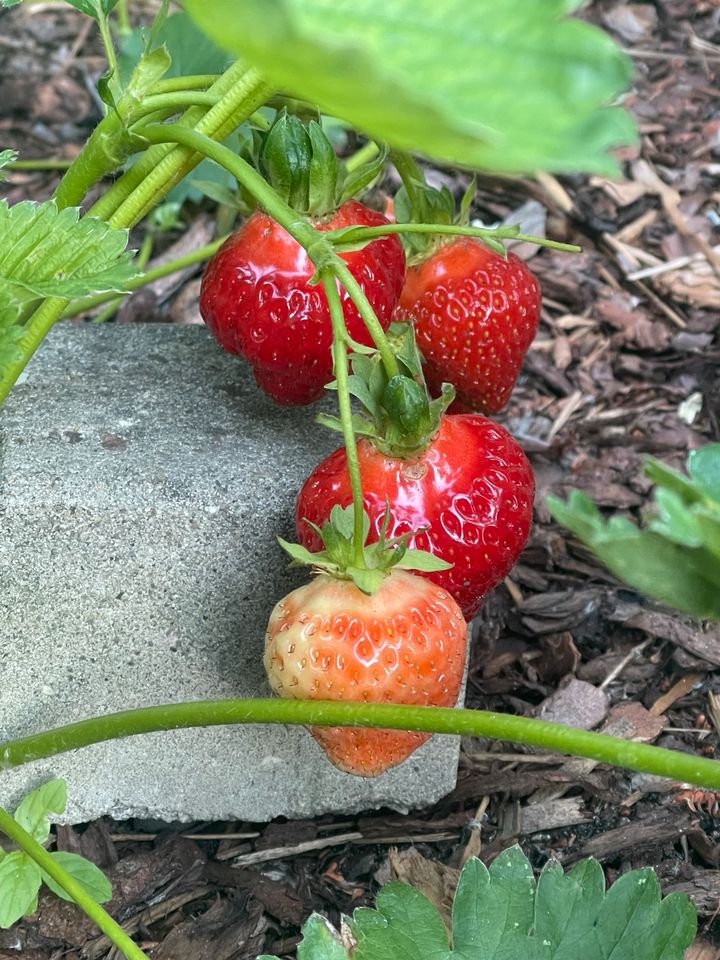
(339, 558)
(299, 162)
(417, 202)
(400, 418)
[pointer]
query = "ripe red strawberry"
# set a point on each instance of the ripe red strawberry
(471, 487)
(475, 315)
(257, 300)
(405, 643)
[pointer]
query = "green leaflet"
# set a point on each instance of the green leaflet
(32, 813)
(6, 157)
(20, 877)
(504, 914)
(19, 885)
(676, 557)
(86, 873)
(93, 8)
(46, 252)
(513, 86)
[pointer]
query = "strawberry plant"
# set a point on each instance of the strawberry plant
(369, 655)
(676, 556)
(503, 912)
(22, 871)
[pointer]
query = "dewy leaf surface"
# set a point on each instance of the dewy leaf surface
(512, 86)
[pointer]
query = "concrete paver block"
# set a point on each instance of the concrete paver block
(143, 479)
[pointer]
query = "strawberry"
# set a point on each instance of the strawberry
(469, 491)
(256, 295)
(331, 640)
(475, 314)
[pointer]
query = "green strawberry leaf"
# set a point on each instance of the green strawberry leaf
(403, 924)
(93, 8)
(90, 877)
(634, 922)
(45, 252)
(19, 884)
(566, 907)
(682, 577)
(664, 476)
(6, 157)
(675, 558)
(493, 909)
(704, 468)
(32, 812)
(503, 914)
(675, 521)
(513, 86)
(320, 942)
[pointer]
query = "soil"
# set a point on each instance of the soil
(625, 365)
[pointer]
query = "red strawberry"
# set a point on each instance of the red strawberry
(405, 643)
(472, 488)
(257, 300)
(475, 314)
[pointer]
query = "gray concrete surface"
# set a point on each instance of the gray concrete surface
(143, 479)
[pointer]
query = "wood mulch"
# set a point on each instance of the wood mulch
(625, 365)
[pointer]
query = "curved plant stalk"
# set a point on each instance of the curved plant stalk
(678, 766)
(30, 846)
(509, 232)
(340, 366)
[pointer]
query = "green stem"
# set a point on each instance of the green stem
(411, 175)
(199, 81)
(175, 101)
(235, 106)
(124, 25)
(340, 363)
(164, 163)
(96, 159)
(674, 764)
(368, 151)
(163, 270)
(39, 164)
(112, 929)
(367, 313)
(298, 227)
(511, 232)
(109, 45)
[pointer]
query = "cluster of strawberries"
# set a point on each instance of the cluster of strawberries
(463, 494)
